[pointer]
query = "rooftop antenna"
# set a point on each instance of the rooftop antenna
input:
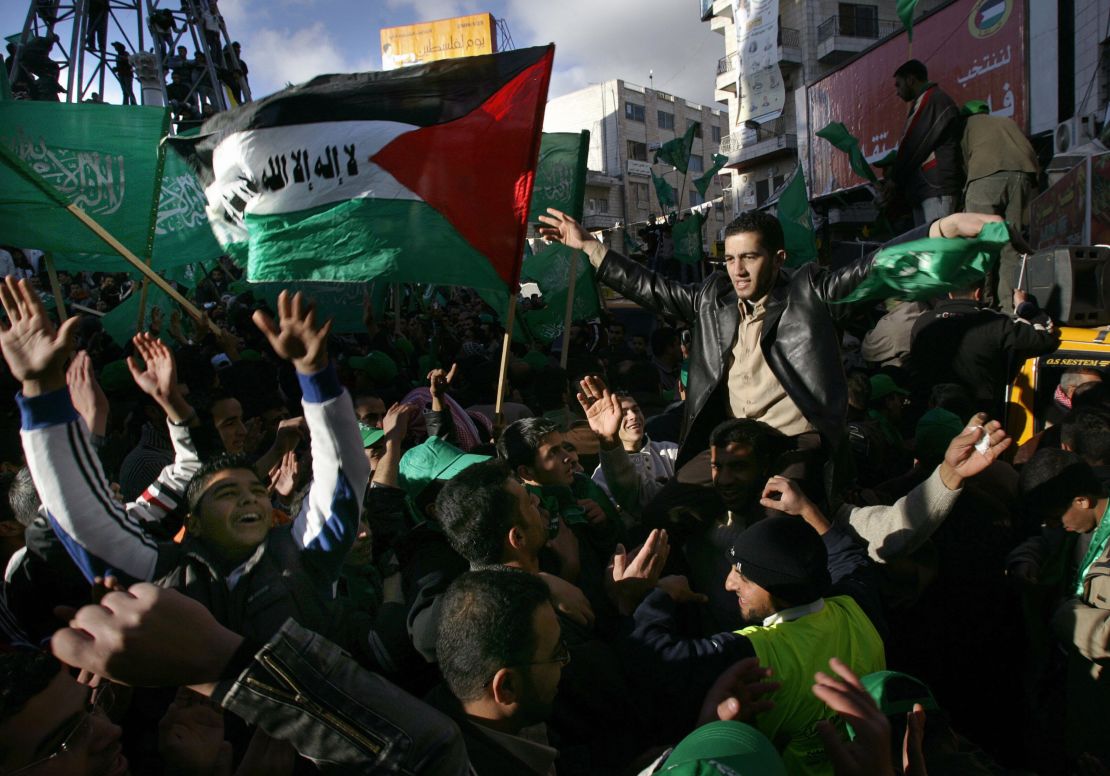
(651, 79)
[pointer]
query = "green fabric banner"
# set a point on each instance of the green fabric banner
(686, 235)
(102, 158)
(664, 191)
(905, 13)
(560, 174)
(701, 183)
(676, 152)
(837, 134)
(550, 269)
(797, 221)
(925, 268)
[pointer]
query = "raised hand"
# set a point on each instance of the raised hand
(869, 753)
(961, 224)
(296, 337)
(630, 579)
(738, 693)
(158, 378)
(191, 737)
(87, 395)
(439, 381)
(968, 455)
(395, 424)
(559, 227)
(35, 349)
(602, 408)
(284, 475)
(786, 496)
(678, 588)
(569, 599)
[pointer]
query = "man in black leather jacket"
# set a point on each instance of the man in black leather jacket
(795, 382)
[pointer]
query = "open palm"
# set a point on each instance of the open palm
(602, 408)
(34, 348)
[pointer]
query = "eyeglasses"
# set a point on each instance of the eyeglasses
(561, 656)
(100, 701)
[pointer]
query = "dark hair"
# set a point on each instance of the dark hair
(766, 442)
(859, 389)
(486, 624)
(1086, 431)
(661, 339)
(223, 462)
(24, 673)
(476, 512)
(520, 441)
(915, 68)
(24, 498)
(954, 398)
(550, 387)
(6, 511)
(765, 225)
(1052, 478)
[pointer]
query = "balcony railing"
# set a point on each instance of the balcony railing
(789, 37)
(855, 27)
(726, 64)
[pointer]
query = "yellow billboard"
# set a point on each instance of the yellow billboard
(461, 36)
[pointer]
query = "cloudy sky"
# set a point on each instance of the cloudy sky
(292, 40)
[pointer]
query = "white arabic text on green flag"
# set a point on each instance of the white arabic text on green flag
(686, 235)
(104, 159)
(925, 268)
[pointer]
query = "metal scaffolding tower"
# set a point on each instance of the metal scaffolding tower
(63, 53)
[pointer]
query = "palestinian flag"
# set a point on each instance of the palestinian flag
(422, 174)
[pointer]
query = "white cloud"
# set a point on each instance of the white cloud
(596, 41)
(277, 57)
(427, 10)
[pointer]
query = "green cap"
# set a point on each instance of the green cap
(250, 355)
(896, 693)
(535, 359)
(724, 749)
(370, 435)
(115, 376)
(971, 107)
(404, 344)
(376, 365)
(434, 459)
(238, 286)
(934, 431)
(883, 385)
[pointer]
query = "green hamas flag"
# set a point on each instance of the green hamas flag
(353, 177)
(701, 183)
(102, 158)
(550, 269)
(560, 178)
(686, 235)
(797, 221)
(905, 13)
(676, 152)
(664, 191)
(837, 134)
(181, 231)
(121, 323)
(924, 268)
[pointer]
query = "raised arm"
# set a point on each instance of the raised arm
(328, 520)
(615, 473)
(96, 530)
(646, 288)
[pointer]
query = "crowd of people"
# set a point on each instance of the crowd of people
(190, 81)
(247, 544)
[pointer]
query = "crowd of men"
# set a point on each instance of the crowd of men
(247, 544)
(190, 81)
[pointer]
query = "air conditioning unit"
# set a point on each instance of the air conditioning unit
(1076, 131)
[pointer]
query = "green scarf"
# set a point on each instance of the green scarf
(1098, 546)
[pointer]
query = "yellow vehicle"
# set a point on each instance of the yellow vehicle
(1031, 394)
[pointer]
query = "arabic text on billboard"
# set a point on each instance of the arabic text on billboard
(760, 84)
(461, 36)
(974, 49)
(1058, 216)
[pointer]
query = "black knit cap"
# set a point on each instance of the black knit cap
(784, 556)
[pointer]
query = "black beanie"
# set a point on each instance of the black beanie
(784, 556)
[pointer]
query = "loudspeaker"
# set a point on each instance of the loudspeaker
(1072, 284)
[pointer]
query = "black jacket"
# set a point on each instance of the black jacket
(800, 339)
(960, 341)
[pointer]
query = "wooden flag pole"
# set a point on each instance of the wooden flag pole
(142, 305)
(55, 287)
(138, 264)
(498, 415)
(568, 317)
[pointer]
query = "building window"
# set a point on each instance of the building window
(719, 208)
(634, 112)
(762, 191)
(697, 127)
(697, 164)
(696, 198)
(859, 21)
(716, 130)
(637, 150)
(603, 205)
(640, 195)
(1104, 59)
(666, 120)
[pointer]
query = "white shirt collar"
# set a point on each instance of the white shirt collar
(794, 613)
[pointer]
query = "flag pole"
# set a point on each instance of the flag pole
(507, 340)
(568, 316)
(56, 287)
